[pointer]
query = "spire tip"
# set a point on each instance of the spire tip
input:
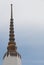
(11, 12)
(11, 4)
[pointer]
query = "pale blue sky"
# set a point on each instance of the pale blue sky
(29, 29)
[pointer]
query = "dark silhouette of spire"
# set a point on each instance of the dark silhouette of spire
(11, 48)
(12, 44)
(11, 27)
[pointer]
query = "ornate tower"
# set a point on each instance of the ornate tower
(11, 57)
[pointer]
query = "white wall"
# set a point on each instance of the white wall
(12, 60)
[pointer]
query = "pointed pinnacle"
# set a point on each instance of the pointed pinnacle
(11, 11)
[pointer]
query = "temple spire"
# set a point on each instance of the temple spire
(12, 44)
(11, 48)
(11, 34)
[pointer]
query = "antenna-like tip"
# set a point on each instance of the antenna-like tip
(11, 4)
(11, 11)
